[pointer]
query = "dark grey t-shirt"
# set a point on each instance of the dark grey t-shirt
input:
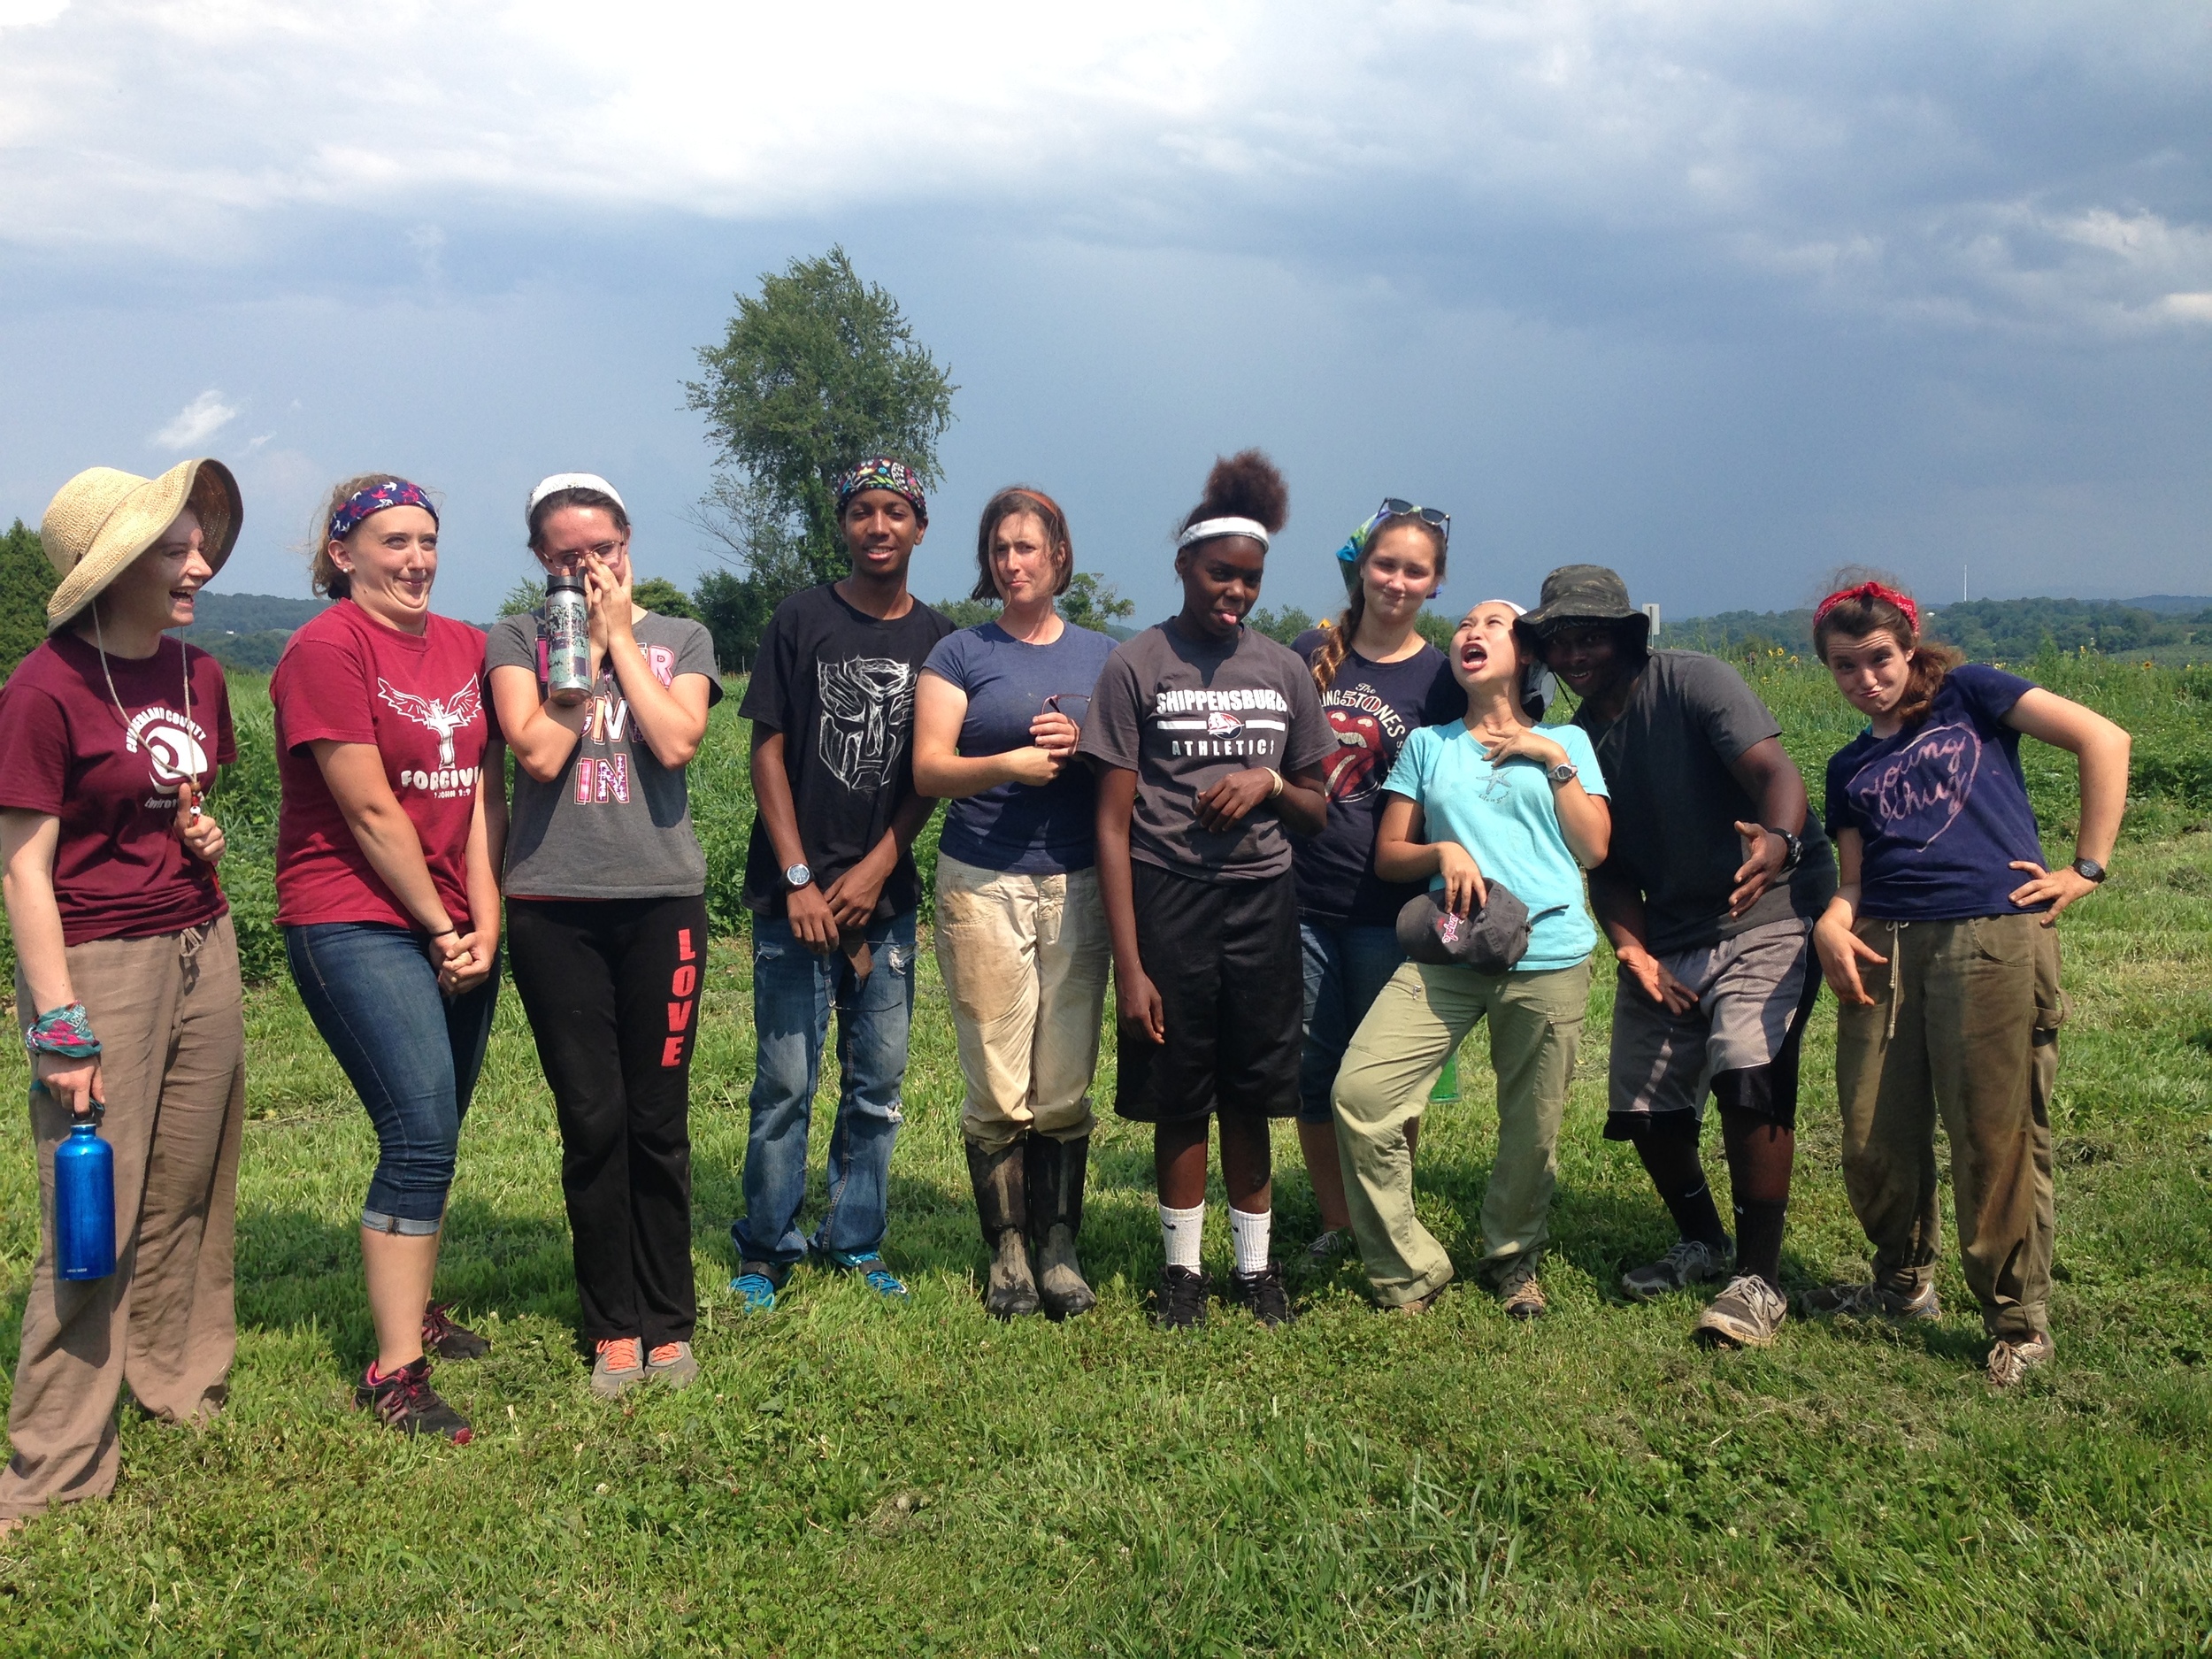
(1183, 714)
(1676, 804)
(615, 824)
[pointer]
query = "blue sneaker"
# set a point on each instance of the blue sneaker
(757, 1291)
(880, 1278)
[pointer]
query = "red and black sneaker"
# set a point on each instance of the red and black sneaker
(447, 1341)
(406, 1402)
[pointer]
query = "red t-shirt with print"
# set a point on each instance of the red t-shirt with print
(421, 700)
(111, 776)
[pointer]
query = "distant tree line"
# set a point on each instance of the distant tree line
(1987, 630)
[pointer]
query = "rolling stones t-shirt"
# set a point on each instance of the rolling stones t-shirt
(1942, 810)
(419, 699)
(1372, 708)
(111, 778)
(839, 684)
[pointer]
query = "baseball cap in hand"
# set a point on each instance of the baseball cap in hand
(1490, 940)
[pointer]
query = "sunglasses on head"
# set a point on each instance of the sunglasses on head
(1395, 507)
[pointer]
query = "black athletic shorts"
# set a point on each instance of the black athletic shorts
(1225, 957)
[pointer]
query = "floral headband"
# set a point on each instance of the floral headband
(393, 492)
(883, 472)
(1871, 590)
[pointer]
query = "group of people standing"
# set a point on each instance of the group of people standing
(1312, 871)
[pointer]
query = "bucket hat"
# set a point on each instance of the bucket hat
(1587, 593)
(1490, 940)
(100, 520)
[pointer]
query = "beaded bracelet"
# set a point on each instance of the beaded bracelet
(66, 1032)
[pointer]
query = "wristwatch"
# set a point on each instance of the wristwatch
(1565, 771)
(1792, 849)
(2089, 870)
(798, 876)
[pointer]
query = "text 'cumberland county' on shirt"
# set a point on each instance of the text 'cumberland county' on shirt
(1184, 713)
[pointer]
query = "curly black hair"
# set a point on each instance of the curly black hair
(1245, 485)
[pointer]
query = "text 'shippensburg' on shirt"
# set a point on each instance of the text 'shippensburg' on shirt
(1676, 804)
(839, 684)
(111, 779)
(615, 824)
(418, 701)
(1183, 714)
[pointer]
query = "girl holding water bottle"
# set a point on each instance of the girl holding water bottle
(126, 982)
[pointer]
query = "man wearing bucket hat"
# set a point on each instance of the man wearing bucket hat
(126, 981)
(1708, 895)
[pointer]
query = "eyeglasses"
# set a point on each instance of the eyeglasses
(603, 551)
(1396, 507)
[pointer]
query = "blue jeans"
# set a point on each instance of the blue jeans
(1347, 967)
(794, 992)
(411, 1054)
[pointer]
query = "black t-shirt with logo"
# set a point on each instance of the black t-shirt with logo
(839, 684)
(1372, 708)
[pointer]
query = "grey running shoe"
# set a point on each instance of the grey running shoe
(1746, 1314)
(1863, 1301)
(618, 1364)
(1690, 1261)
(673, 1366)
(2010, 1359)
(1519, 1291)
(1328, 1248)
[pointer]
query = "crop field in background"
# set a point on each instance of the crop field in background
(854, 1477)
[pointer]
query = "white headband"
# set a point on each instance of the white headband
(1206, 529)
(574, 480)
(1518, 610)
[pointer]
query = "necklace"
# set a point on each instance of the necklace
(130, 738)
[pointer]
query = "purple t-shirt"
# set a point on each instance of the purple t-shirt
(1942, 810)
(1372, 708)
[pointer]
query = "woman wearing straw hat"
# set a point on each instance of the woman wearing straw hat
(127, 969)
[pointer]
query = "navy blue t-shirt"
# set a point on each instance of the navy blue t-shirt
(1032, 829)
(1942, 810)
(1372, 708)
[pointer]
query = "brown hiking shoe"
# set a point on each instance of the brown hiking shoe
(2011, 1358)
(1520, 1293)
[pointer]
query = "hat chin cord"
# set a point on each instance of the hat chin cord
(99, 644)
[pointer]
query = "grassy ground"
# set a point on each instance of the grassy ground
(854, 1477)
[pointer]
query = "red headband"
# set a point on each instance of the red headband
(1871, 590)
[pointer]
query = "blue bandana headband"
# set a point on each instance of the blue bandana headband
(393, 492)
(884, 471)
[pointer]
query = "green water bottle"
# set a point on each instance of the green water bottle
(1446, 1088)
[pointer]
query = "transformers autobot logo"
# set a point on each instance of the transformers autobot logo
(867, 707)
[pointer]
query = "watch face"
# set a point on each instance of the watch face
(798, 876)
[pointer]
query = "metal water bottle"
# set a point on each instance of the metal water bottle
(567, 641)
(84, 1204)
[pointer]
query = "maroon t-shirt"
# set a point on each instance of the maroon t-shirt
(421, 700)
(111, 777)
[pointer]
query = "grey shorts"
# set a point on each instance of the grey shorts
(1755, 993)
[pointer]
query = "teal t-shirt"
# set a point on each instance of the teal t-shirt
(1503, 816)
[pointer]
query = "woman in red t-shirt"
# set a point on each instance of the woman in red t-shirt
(127, 969)
(387, 842)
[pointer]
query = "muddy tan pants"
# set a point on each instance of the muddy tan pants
(1964, 1027)
(1024, 959)
(173, 1045)
(1417, 1021)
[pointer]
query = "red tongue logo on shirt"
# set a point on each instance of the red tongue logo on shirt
(1219, 725)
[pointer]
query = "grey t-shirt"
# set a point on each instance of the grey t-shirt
(1676, 804)
(1183, 714)
(615, 824)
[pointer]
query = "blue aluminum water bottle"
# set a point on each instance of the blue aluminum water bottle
(84, 1204)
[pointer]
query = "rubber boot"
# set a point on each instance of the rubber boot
(1055, 1216)
(1001, 1204)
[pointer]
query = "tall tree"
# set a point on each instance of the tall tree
(27, 581)
(817, 371)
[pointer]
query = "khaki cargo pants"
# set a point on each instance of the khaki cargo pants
(1963, 1028)
(172, 1040)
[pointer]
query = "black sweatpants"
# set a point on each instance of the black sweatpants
(611, 988)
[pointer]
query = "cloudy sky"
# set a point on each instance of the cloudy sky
(1720, 293)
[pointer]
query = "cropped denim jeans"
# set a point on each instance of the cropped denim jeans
(795, 993)
(411, 1053)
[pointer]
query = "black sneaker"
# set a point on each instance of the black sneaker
(1262, 1293)
(406, 1402)
(447, 1341)
(1180, 1305)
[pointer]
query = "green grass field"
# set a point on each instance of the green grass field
(851, 1478)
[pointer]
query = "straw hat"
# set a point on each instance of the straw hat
(100, 520)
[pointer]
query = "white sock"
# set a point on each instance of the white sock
(1251, 1232)
(1181, 1232)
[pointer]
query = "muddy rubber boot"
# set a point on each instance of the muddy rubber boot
(1001, 1204)
(1055, 1216)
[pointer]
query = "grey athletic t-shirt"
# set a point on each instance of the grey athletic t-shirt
(615, 824)
(1183, 714)
(1676, 804)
